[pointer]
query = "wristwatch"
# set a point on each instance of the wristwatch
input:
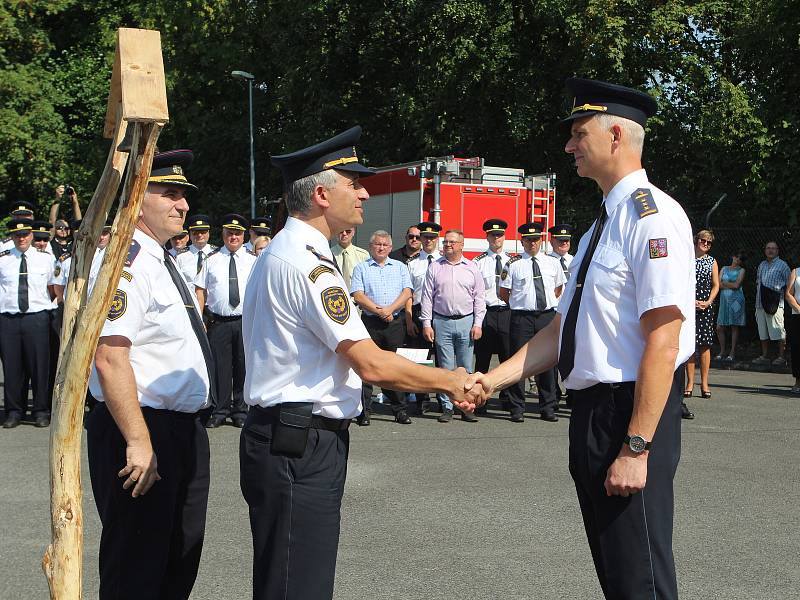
(637, 443)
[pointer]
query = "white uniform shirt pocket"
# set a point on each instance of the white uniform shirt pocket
(609, 271)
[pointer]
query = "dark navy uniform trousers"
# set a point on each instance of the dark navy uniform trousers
(496, 339)
(294, 506)
(630, 538)
(150, 546)
(524, 325)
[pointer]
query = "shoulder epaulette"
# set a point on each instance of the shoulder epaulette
(42, 251)
(320, 256)
(481, 255)
(514, 259)
(5, 240)
(213, 252)
(213, 247)
(181, 250)
(64, 256)
(5, 252)
(644, 203)
(251, 253)
(133, 252)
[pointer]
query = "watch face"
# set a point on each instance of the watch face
(637, 443)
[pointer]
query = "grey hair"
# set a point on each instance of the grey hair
(456, 231)
(631, 129)
(380, 233)
(298, 197)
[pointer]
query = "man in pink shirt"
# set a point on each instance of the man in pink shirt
(452, 311)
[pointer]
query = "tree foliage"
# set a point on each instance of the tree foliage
(464, 77)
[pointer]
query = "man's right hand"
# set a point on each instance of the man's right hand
(411, 329)
(479, 388)
(141, 468)
(427, 334)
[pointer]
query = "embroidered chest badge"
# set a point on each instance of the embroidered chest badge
(337, 307)
(658, 248)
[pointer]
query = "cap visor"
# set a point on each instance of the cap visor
(356, 168)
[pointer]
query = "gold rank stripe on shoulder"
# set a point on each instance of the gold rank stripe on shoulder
(126, 275)
(482, 255)
(513, 259)
(644, 203)
(318, 271)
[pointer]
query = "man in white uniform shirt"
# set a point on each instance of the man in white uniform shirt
(259, 228)
(220, 286)
(190, 262)
(561, 240)
(148, 449)
(496, 338)
(307, 354)
(625, 326)
(19, 210)
(531, 284)
(25, 314)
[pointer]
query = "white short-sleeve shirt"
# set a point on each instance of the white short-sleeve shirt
(418, 269)
(518, 277)
(187, 261)
(165, 354)
(640, 263)
(40, 270)
(487, 265)
(213, 278)
(296, 313)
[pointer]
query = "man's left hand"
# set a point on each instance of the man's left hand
(627, 474)
(475, 333)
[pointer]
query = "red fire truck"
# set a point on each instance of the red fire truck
(457, 193)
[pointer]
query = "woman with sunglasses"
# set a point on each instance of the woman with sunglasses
(706, 290)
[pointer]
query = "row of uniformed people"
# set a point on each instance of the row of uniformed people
(522, 291)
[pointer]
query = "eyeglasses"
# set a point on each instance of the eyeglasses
(61, 228)
(411, 236)
(705, 242)
(450, 243)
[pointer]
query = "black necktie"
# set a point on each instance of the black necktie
(200, 257)
(498, 270)
(22, 287)
(538, 286)
(430, 258)
(566, 357)
(564, 267)
(233, 283)
(197, 325)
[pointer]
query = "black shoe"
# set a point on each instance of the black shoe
(446, 415)
(469, 417)
(12, 420)
(363, 419)
(419, 410)
(549, 416)
(238, 421)
(685, 412)
(481, 410)
(215, 421)
(517, 418)
(42, 421)
(402, 418)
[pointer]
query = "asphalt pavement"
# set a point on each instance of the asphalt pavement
(482, 510)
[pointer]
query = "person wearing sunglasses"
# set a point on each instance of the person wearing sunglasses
(706, 290)
(410, 250)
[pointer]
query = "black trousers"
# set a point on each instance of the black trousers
(496, 339)
(150, 546)
(225, 337)
(524, 325)
(25, 351)
(630, 538)
(387, 336)
(793, 337)
(56, 318)
(294, 506)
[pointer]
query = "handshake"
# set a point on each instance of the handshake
(470, 390)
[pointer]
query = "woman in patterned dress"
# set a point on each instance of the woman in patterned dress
(731, 305)
(706, 290)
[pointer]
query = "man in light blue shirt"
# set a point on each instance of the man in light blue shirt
(381, 286)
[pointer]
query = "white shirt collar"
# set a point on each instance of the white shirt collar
(625, 188)
(308, 235)
(149, 244)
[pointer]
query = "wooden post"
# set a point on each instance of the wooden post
(137, 107)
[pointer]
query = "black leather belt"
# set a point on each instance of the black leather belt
(535, 313)
(450, 317)
(271, 413)
(599, 388)
(498, 308)
(217, 317)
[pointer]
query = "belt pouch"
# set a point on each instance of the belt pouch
(290, 431)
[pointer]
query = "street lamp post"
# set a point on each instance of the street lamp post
(250, 77)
